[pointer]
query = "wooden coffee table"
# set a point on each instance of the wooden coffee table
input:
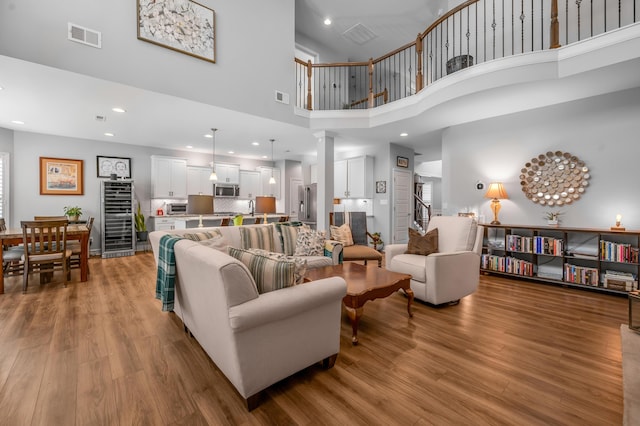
(364, 284)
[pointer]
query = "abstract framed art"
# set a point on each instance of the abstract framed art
(181, 25)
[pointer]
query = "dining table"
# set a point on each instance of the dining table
(75, 232)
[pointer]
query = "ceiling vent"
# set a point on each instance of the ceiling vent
(359, 34)
(85, 35)
(101, 118)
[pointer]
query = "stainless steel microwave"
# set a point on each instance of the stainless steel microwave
(226, 190)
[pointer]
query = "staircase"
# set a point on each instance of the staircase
(421, 213)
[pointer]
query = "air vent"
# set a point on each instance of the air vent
(101, 118)
(359, 34)
(85, 35)
(282, 97)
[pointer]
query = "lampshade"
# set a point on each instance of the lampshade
(496, 191)
(200, 204)
(265, 204)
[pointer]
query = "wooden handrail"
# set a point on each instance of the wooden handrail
(447, 15)
(384, 94)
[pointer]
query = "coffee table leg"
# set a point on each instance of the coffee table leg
(354, 316)
(409, 294)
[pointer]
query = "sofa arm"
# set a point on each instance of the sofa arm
(285, 303)
(461, 267)
(333, 249)
(392, 250)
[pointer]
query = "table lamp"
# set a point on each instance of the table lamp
(497, 192)
(200, 204)
(265, 205)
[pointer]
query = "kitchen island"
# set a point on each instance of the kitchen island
(180, 221)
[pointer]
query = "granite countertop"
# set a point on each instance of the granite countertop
(210, 216)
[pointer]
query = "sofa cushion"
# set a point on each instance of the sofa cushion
(239, 285)
(218, 242)
(422, 244)
(343, 234)
(310, 243)
(299, 262)
(358, 252)
(414, 264)
(257, 237)
(318, 261)
(268, 274)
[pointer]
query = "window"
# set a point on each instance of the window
(427, 192)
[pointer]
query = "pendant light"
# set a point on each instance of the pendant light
(213, 176)
(272, 179)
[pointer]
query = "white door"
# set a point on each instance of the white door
(402, 183)
(294, 202)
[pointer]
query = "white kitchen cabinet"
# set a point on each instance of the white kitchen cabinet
(162, 223)
(228, 173)
(353, 178)
(270, 189)
(198, 181)
(168, 177)
(313, 173)
(250, 184)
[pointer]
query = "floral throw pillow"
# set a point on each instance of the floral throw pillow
(310, 243)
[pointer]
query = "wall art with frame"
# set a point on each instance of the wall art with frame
(402, 162)
(61, 176)
(120, 166)
(181, 25)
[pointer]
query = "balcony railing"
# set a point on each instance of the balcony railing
(474, 32)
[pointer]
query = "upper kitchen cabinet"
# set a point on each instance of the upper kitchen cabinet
(228, 173)
(198, 180)
(270, 189)
(250, 184)
(353, 178)
(168, 177)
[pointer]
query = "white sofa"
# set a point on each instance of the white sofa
(254, 339)
(451, 273)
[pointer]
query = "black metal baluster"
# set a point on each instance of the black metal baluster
(566, 23)
(578, 4)
(493, 25)
(522, 26)
(532, 25)
(502, 28)
(512, 29)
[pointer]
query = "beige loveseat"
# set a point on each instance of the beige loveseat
(255, 339)
(451, 273)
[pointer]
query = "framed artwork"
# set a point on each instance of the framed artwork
(61, 176)
(120, 166)
(181, 25)
(381, 187)
(402, 162)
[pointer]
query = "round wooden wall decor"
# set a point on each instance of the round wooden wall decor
(554, 178)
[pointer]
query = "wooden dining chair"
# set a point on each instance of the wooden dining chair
(45, 249)
(76, 248)
(11, 256)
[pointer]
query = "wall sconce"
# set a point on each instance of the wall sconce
(618, 226)
(497, 192)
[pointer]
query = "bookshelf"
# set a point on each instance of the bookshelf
(596, 259)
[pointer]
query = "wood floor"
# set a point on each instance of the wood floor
(513, 353)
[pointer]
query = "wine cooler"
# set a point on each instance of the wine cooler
(118, 230)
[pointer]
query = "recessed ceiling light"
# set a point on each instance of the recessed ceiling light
(1, 87)
(118, 109)
(208, 136)
(109, 134)
(255, 143)
(231, 152)
(189, 146)
(327, 21)
(404, 134)
(17, 122)
(264, 156)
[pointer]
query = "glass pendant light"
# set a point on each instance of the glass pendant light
(272, 180)
(213, 176)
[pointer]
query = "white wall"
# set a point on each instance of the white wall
(601, 131)
(254, 50)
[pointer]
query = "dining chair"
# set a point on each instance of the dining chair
(76, 248)
(50, 218)
(11, 255)
(45, 249)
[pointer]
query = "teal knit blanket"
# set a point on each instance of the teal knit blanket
(166, 278)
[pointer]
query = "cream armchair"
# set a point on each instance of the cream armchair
(451, 273)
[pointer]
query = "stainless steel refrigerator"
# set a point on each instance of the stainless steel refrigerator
(308, 204)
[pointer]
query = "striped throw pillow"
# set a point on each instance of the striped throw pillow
(299, 262)
(269, 274)
(201, 236)
(257, 237)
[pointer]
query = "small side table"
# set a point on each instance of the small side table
(634, 310)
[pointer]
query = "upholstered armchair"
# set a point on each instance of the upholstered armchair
(359, 250)
(450, 273)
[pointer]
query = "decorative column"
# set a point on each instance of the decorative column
(325, 179)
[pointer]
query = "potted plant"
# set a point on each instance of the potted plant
(377, 242)
(141, 227)
(553, 218)
(73, 213)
